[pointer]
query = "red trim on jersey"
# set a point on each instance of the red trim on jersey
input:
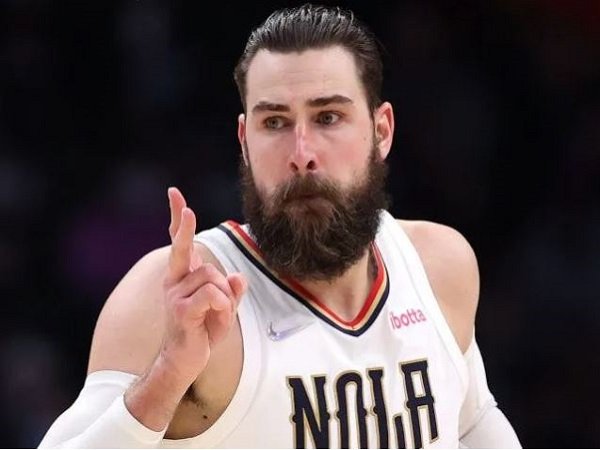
(368, 307)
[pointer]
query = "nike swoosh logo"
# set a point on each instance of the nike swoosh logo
(280, 335)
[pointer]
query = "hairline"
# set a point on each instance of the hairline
(358, 72)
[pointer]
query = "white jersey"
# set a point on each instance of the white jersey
(392, 377)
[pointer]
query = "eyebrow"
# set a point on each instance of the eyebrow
(314, 102)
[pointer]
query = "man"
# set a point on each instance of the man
(323, 322)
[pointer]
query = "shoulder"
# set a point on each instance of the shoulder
(452, 270)
(441, 247)
(129, 329)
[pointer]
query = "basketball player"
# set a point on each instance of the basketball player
(323, 321)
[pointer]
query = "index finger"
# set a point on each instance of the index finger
(176, 204)
(180, 258)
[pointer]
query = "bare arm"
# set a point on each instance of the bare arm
(451, 268)
(160, 323)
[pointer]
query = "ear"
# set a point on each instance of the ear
(242, 136)
(383, 119)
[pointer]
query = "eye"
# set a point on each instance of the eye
(274, 123)
(328, 118)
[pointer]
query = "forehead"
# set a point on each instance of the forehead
(294, 77)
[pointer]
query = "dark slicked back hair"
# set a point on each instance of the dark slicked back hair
(316, 27)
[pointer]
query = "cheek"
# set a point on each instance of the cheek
(348, 166)
(268, 168)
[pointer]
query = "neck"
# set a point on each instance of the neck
(346, 294)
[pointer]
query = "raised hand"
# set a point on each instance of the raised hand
(200, 302)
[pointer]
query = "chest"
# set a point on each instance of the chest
(393, 386)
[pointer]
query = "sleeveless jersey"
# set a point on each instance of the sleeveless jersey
(393, 377)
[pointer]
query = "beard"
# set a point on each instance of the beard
(312, 229)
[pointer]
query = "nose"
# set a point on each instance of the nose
(303, 159)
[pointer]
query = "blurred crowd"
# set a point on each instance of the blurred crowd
(104, 105)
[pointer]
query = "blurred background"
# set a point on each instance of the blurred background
(104, 105)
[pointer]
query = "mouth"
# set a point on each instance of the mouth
(305, 197)
(308, 199)
(309, 204)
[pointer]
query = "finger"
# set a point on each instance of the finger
(209, 298)
(219, 322)
(218, 325)
(239, 285)
(209, 307)
(206, 273)
(180, 257)
(176, 204)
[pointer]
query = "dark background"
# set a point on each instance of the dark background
(103, 105)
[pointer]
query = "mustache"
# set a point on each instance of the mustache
(300, 187)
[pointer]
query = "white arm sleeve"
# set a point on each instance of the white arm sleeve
(99, 418)
(482, 424)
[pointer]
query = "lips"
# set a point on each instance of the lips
(317, 205)
(305, 197)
